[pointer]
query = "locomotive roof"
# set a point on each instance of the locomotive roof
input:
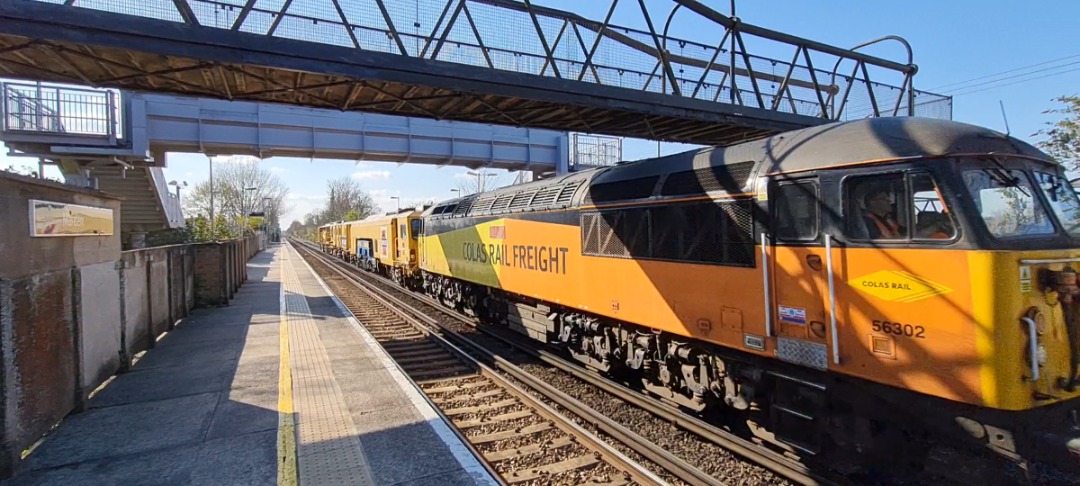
(833, 144)
(829, 145)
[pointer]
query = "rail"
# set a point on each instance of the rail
(520, 37)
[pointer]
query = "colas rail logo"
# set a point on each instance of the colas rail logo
(898, 286)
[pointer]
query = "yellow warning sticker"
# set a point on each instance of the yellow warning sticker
(898, 286)
(763, 188)
(1025, 279)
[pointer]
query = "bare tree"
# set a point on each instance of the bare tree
(240, 188)
(479, 181)
(346, 200)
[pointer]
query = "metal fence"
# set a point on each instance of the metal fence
(595, 150)
(52, 109)
(808, 78)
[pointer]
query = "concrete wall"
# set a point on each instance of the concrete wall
(135, 304)
(39, 360)
(99, 330)
(75, 309)
(49, 291)
(159, 290)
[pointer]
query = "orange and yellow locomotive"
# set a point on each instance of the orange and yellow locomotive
(899, 286)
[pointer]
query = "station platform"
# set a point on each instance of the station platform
(279, 387)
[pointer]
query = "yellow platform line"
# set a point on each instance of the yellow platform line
(286, 436)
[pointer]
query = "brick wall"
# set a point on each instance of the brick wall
(220, 268)
(209, 274)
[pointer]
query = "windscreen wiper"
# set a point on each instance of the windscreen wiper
(1001, 176)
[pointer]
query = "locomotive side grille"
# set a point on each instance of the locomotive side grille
(567, 194)
(639, 188)
(634, 227)
(533, 199)
(590, 233)
(545, 198)
(502, 202)
(521, 199)
(718, 233)
(611, 243)
(731, 178)
(464, 206)
(448, 210)
(482, 204)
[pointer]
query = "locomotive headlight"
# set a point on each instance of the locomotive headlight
(1041, 325)
(1040, 356)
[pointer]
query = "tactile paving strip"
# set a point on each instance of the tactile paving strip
(328, 451)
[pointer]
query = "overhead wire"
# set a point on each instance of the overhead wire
(980, 78)
(1021, 81)
(984, 83)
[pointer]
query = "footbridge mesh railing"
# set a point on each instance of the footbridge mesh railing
(50, 109)
(781, 73)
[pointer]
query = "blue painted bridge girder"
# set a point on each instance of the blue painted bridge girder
(211, 126)
(75, 128)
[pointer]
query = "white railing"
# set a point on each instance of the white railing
(40, 108)
(170, 205)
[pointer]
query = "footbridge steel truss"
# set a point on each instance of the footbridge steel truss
(489, 61)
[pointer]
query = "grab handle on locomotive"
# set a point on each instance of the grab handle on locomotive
(765, 278)
(1033, 344)
(832, 299)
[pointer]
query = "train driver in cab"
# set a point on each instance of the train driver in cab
(933, 225)
(879, 218)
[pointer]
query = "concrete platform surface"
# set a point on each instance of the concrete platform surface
(279, 387)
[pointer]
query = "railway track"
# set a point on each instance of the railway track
(725, 467)
(725, 455)
(522, 438)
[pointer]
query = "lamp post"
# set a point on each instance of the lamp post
(213, 223)
(397, 201)
(244, 210)
(458, 191)
(266, 215)
(178, 185)
(481, 178)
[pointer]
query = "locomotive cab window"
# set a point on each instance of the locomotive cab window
(797, 211)
(1063, 201)
(1007, 202)
(930, 215)
(897, 207)
(416, 228)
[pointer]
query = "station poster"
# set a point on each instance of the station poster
(49, 218)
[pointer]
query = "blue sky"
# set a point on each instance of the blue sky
(953, 42)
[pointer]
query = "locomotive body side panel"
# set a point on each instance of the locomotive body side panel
(905, 318)
(914, 307)
(966, 311)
